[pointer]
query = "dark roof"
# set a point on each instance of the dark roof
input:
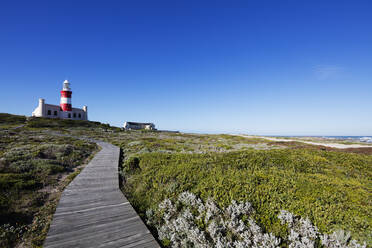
(139, 123)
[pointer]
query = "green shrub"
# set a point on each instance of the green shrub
(37, 122)
(331, 188)
(9, 119)
(9, 235)
(29, 161)
(131, 164)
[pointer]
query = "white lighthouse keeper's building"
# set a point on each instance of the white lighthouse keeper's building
(64, 110)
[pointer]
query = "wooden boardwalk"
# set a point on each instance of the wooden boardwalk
(93, 212)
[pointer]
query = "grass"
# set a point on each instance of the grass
(331, 188)
(11, 121)
(58, 124)
(138, 142)
(33, 169)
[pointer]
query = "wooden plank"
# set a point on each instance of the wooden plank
(93, 212)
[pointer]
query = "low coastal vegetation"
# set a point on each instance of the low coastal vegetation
(35, 166)
(190, 222)
(332, 189)
(285, 184)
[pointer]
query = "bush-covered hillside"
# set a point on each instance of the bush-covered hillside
(333, 189)
(63, 124)
(34, 168)
(330, 186)
(8, 120)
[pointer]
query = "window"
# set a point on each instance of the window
(74, 115)
(55, 113)
(69, 115)
(79, 115)
(49, 112)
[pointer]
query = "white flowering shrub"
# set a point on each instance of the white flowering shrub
(302, 232)
(340, 239)
(190, 222)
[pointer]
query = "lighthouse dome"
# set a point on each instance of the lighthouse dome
(66, 85)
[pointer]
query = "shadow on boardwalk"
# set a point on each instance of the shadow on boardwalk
(93, 212)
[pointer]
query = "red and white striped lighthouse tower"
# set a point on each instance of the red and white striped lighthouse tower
(65, 103)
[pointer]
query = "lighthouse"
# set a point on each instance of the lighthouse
(65, 103)
(64, 110)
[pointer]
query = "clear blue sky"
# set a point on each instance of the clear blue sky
(259, 67)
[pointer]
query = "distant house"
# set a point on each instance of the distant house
(128, 125)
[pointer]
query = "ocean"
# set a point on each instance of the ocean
(366, 139)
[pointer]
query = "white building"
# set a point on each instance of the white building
(128, 125)
(62, 111)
